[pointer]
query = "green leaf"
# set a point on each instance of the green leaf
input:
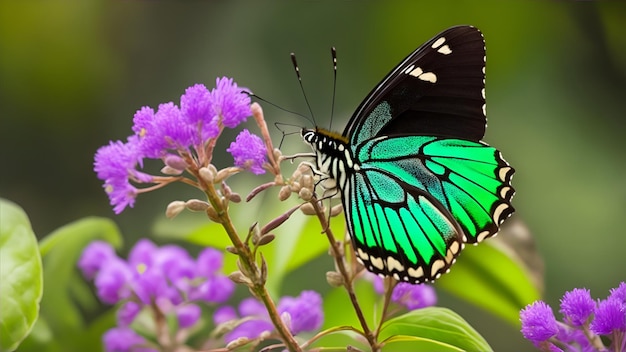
(61, 251)
(431, 329)
(491, 279)
(21, 280)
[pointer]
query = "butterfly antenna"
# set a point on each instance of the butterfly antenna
(297, 69)
(333, 52)
(279, 107)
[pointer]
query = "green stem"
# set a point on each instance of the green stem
(347, 279)
(247, 261)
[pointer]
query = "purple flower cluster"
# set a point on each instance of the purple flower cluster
(164, 278)
(178, 136)
(300, 314)
(584, 322)
(408, 295)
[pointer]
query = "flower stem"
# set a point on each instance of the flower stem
(247, 260)
(347, 279)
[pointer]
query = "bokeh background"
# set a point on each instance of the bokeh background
(72, 74)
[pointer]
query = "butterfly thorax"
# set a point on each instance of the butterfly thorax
(333, 156)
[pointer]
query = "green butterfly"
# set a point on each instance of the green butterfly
(416, 181)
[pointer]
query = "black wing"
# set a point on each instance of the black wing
(438, 90)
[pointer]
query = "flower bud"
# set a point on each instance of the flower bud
(336, 210)
(197, 205)
(307, 209)
(235, 198)
(239, 278)
(174, 208)
(334, 279)
(167, 170)
(305, 194)
(265, 239)
(212, 214)
(175, 162)
(207, 174)
(307, 181)
(240, 341)
(284, 193)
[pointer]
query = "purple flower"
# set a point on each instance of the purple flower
(305, 311)
(167, 130)
(538, 322)
(127, 313)
(248, 151)
(188, 315)
(196, 106)
(124, 339)
(115, 164)
(302, 313)
(229, 103)
(113, 280)
(406, 294)
(217, 289)
(142, 253)
(577, 306)
(619, 292)
(95, 255)
(255, 324)
(610, 316)
(414, 296)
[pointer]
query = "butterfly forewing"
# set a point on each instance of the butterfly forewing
(415, 179)
(438, 90)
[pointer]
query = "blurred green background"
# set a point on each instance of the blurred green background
(73, 73)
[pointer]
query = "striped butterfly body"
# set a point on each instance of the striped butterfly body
(416, 181)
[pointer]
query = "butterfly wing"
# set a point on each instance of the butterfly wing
(438, 90)
(425, 184)
(415, 201)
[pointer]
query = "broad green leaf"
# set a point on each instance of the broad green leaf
(490, 278)
(431, 329)
(61, 251)
(21, 279)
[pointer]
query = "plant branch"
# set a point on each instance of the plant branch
(249, 265)
(347, 279)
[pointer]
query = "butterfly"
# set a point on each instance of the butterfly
(415, 179)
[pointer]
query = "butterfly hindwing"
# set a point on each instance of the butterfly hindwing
(399, 230)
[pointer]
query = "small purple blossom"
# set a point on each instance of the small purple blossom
(584, 321)
(619, 293)
(229, 102)
(408, 295)
(127, 313)
(124, 339)
(538, 322)
(94, 256)
(248, 151)
(188, 315)
(577, 306)
(115, 165)
(113, 281)
(305, 311)
(414, 296)
(302, 313)
(610, 316)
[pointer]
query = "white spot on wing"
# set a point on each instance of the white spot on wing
(428, 77)
(416, 72)
(437, 265)
(481, 236)
(498, 213)
(416, 273)
(377, 262)
(445, 50)
(438, 42)
(394, 264)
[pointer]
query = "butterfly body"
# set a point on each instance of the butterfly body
(416, 181)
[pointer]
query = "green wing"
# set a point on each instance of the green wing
(415, 200)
